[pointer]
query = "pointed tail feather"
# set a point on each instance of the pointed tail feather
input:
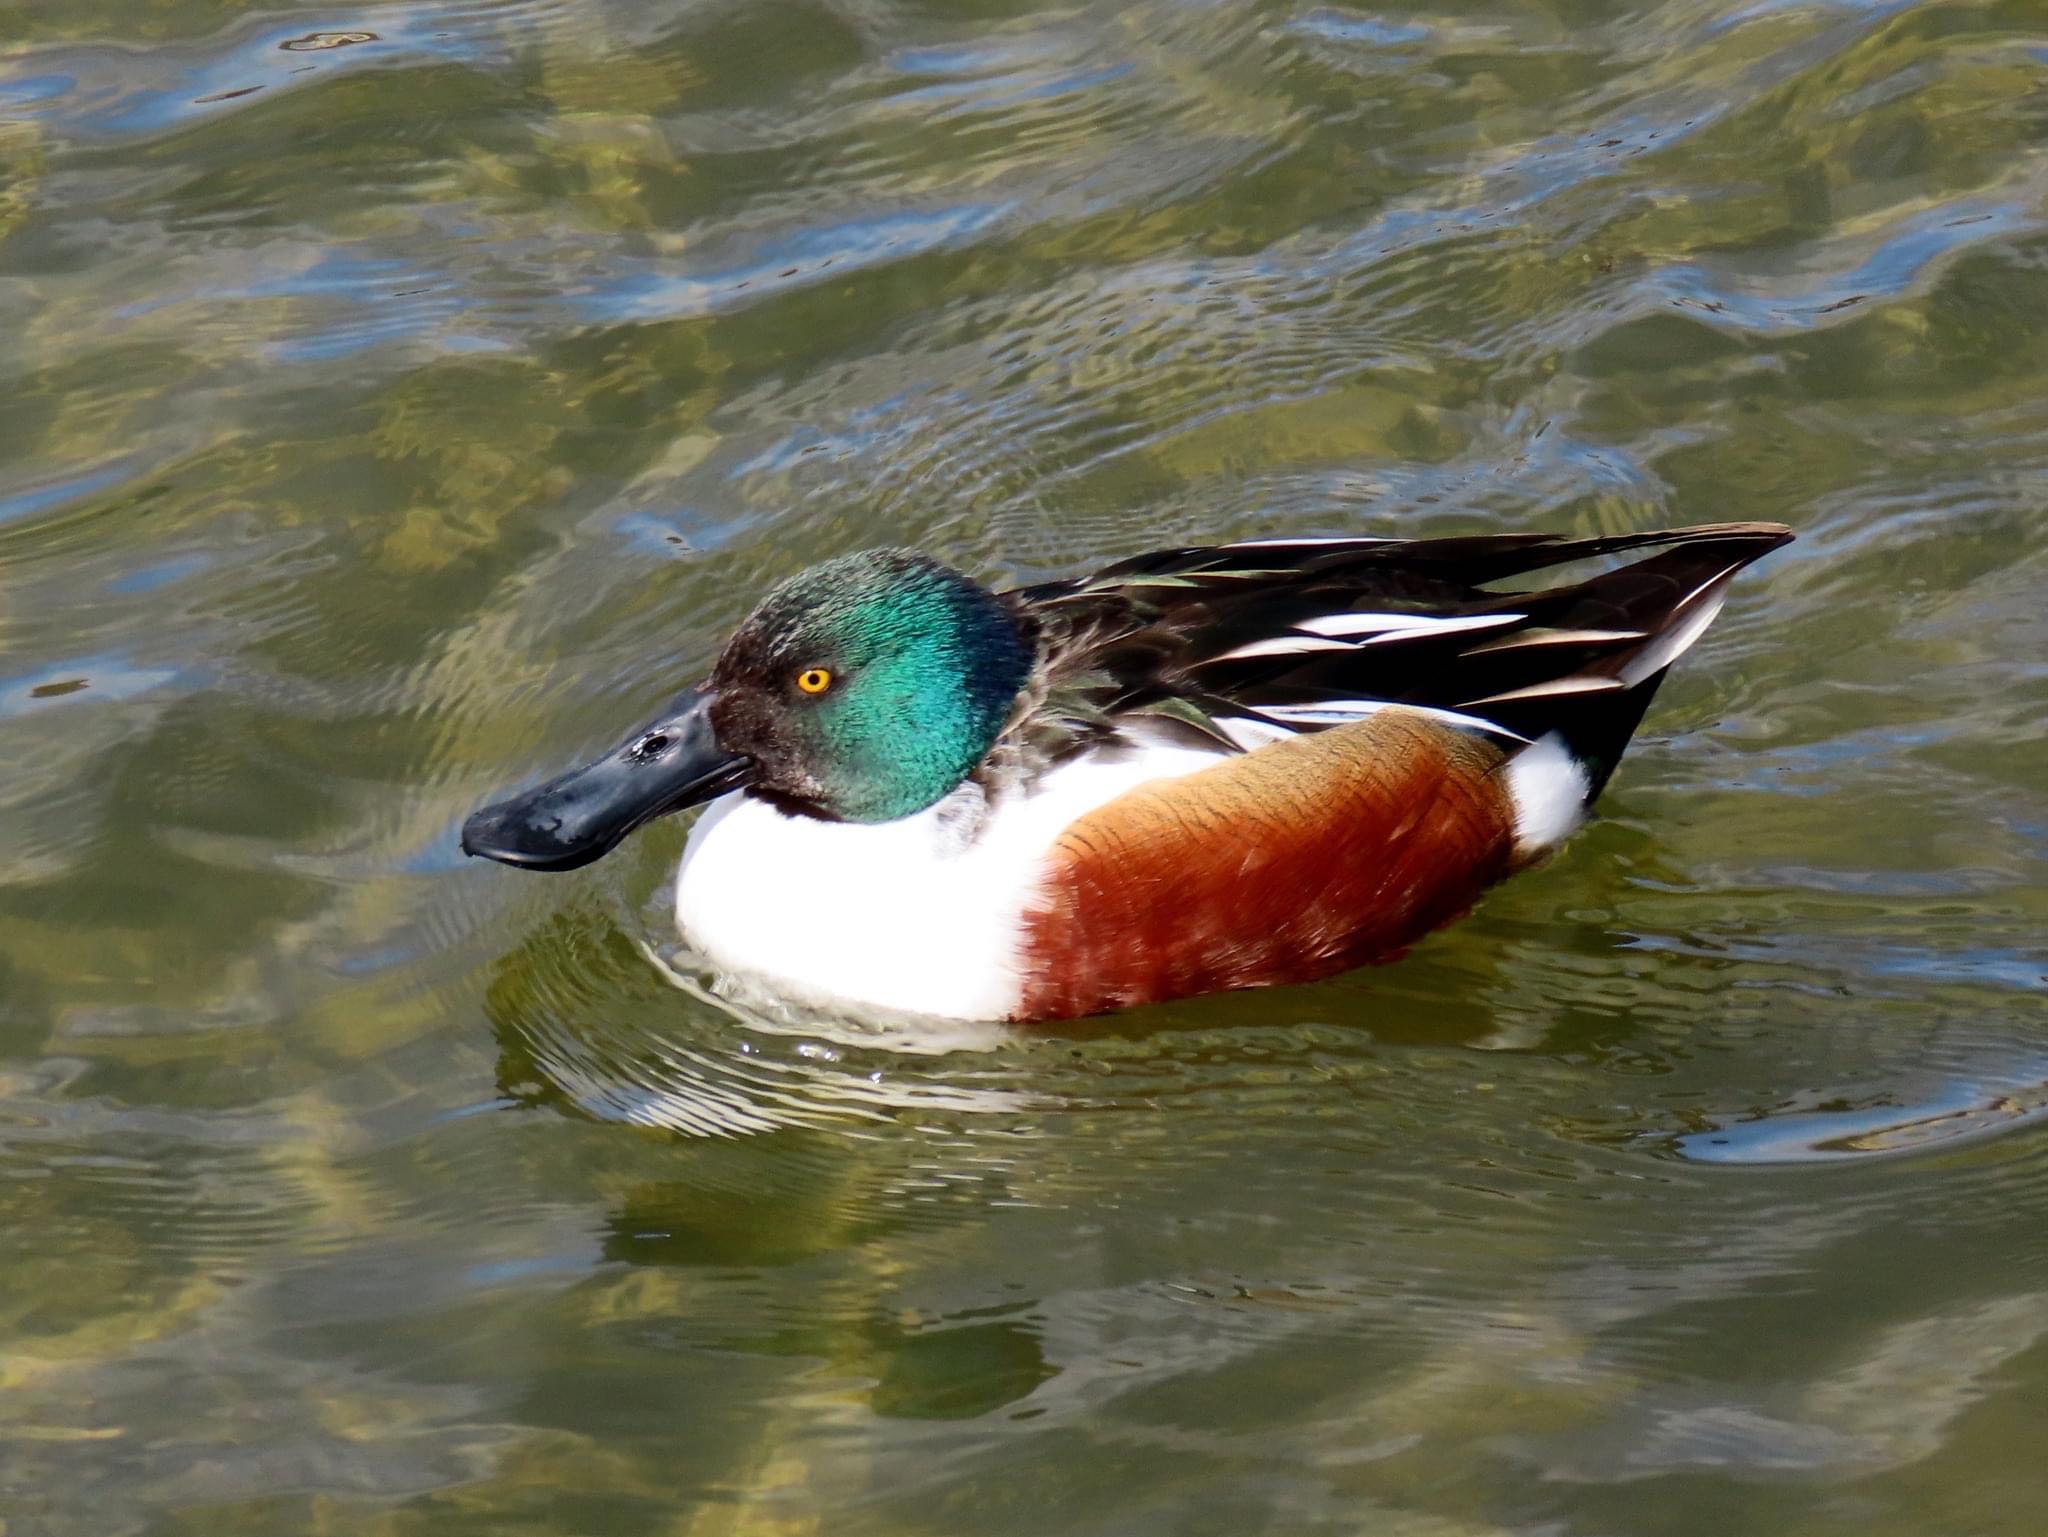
(1666, 602)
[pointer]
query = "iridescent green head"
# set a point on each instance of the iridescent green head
(862, 690)
(867, 688)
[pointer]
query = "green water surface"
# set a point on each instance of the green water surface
(397, 400)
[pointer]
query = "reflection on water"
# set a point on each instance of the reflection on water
(747, 1069)
(393, 399)
(1966, 1112)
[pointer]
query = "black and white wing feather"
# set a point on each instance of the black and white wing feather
(1303, 634)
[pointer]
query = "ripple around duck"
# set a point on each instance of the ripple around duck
(719, 1068)
(607, 1028)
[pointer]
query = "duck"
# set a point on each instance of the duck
(1199, 769)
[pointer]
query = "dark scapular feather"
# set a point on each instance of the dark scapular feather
(1199, 636)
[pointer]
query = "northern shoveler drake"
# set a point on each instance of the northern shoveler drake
(1199, 769)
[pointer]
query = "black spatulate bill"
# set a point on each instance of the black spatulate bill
(671, 762)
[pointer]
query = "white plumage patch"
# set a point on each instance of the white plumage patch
(1547, 786)
(1449, 626)
(1387, 626)
(1346, 632)
(1699, 611)
(919, 916)
(1338, 712)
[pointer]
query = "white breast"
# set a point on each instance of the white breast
(923, 915)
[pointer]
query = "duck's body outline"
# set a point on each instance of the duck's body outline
(1225, 766)
(955, 912)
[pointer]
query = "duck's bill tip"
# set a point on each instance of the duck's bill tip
(671, 763)
(509, 833)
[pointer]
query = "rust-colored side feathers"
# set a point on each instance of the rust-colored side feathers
(1305, 858)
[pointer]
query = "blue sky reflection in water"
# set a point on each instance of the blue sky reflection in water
(399, 400)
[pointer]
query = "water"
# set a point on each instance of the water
(396, 400)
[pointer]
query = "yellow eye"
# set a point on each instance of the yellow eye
(814, 680)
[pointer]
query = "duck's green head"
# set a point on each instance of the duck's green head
(867, 688)
(862, 690)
